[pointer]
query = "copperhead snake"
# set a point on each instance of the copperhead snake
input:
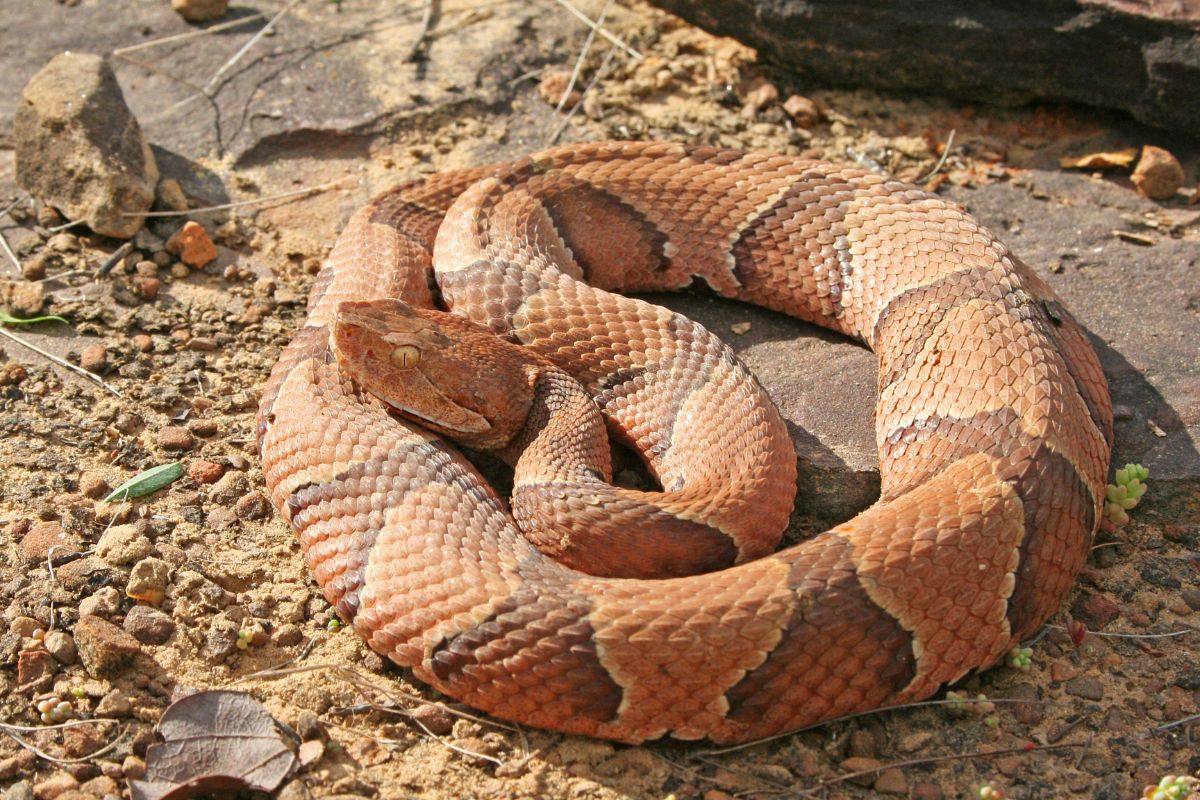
(993, 423)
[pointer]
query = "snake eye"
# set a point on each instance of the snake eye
(405, 356)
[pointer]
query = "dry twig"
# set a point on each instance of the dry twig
(600, 73)
(569, 6)
(587, 47)
(311, 190)
(422, 33)
(180, 37)
(96, 379)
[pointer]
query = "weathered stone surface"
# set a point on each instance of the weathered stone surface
(1143, 58)
(358, 88)
(149, 625)
(103, 647)
(80, 149)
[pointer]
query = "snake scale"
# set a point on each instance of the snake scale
(993, 424)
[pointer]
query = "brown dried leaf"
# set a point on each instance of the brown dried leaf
(1119, 159)
(214, 741)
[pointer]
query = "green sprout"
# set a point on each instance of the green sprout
(1172, 787)
(334, 625)
(1021, 658)
(1125, 493)
(54, 709)
(245, 638)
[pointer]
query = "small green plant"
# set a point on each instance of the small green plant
(245, 638)
(1021, 658)
(961, 704)
(1173, 787)
(334, 625)
(1125, 493)
(54, 709)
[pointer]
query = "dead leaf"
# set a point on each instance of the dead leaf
(1119, 159)
(214, 741)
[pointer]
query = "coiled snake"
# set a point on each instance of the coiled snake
(993, 424)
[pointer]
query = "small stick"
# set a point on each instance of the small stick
(8, 251)
(600, 73)
(1170, 635)
(914, 762)
(114, 259)
(67, 364)
(228, 65)
(422, 34)
(20, 199)
(587, 47)
(941, 161)
(240, 203)
(66, 225)
(1176, 723)
(179, 37)
(594, 26)
(42, 754)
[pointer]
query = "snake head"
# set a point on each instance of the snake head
(437, 369)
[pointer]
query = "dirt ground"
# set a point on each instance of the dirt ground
(190, 356)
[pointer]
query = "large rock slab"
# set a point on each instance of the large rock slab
(329, 79)
(79, 149)
(1140, 304)
(1141, 57)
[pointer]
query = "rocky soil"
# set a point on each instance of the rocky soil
(109, 611)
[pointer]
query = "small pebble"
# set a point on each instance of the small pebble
(55, 785)
(1086, 687)
(192, 245)
(892, 781)
(802, 110)
(114, 704)
(148, 625)
(93, 358)
(103, 647)
(63, 243)
(199, 11)
(180, 270)
(169, 194)
(61, 646)
(204, 472)
(103, 602)
(175, 438)
(1159, 174)
(146, 288)
(34, 269)
(202, 344)
(252, 506)
(204, 427)
(437, 719)
(24, 626)
(148, 580)
(93, 486)
(230, 488)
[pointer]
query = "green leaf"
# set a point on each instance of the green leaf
(147, 482)
(9, 319)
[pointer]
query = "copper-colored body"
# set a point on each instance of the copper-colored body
(994, 429)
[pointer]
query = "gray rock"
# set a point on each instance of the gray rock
(104, 602)
(149, 625)
(1143, 58)
(80, 149)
